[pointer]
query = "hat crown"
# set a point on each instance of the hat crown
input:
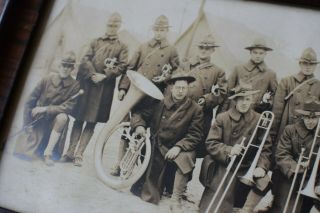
(161, 21)
(259, 43)
(242, 88)
(208, 40)
(69, 57)
(114, 18)
(181, 74)
(309, 55)
(312, 105)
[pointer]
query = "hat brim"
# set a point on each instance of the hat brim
(189, 79)
(161, 26)
(307, 113)
(243, 94)
(311, 62)
(258, 47)
(68, 62)
(206, 45)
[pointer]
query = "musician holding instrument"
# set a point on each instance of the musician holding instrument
(291, 93)
(176, 125)
(47, 108)
(297, 139)
(156, 60)
(227, 138)
(210, 87)
(105, 59)
(258, 74)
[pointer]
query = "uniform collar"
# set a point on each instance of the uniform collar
(57, 80)
(163, 43)
(109, 37)
(250, 66)
(169, 103)
(201, 65)
(301, 129)
(300, 77)
(236, 116)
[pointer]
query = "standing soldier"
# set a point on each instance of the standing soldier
(47, 108)
(290, 96)
(223, 141)
(155, 60)
(294, 137)
(176, 125)
(98, 80)
(256, 73)
(209, 89)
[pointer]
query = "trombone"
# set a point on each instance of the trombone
(309, 189)
(264, 123)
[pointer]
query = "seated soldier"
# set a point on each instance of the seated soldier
(224, 140)
(47, 108)
(176, 125)
(295, 137)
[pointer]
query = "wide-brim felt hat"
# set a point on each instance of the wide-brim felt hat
(208, 41)
(259, 43)
(310, 108)
(242, 91)
(181, 75)
(69, 58)
(309, 55)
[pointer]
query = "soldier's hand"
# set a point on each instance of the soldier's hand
(141, 131)
(121, 94)
(38, 110)
(303, 166)
(236, 149)
(96, 78)
(266, 97)
(158, 79)
(259, 172)
(172, 153)
(201, 101)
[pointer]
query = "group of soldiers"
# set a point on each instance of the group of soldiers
(181, 124)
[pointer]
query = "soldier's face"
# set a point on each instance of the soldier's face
(112, 29)
(307, 68)
(65, 70)
(179, 90)
(160, 33)
(310, 122)
(258, 55)
(243, 104)
(205, 52)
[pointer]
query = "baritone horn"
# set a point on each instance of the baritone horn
(139, 88)
(264, 123)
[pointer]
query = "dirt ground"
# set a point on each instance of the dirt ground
(34, 187)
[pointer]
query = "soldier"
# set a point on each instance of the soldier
(256, 73)
(98, 80)
(151, 60)
(47, 108)
(224, 140)
(176, 125)
(209, 89)
(291, 94)
(293, 138)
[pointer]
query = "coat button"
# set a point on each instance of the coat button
(163, 117)
(297, 103)
(234, 132)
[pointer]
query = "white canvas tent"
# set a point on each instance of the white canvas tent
(232, 37)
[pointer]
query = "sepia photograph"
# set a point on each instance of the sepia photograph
(131, 106)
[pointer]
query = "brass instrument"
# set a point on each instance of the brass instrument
(264, 122)
(140, 86)
(310, 187)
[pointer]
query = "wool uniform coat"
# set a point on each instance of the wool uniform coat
(95, 104)
(285, 110)
(293, 138)
(56, 94)
(229, 129)
(171, 124)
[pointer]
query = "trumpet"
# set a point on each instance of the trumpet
(309, 189)
(264, 123)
